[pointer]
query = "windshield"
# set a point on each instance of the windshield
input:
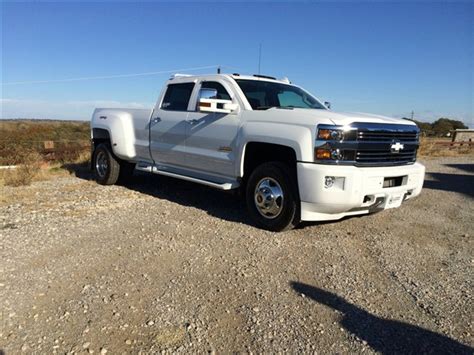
(263, 95)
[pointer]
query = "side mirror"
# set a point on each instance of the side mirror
(208, 103)
(207, 93)
(327, 104)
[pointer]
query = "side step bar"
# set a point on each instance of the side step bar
(153, 169)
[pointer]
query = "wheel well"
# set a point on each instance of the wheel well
(99, 136)
(257, 153)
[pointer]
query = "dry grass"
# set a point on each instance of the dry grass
(22, 145)
(83, 157)
(430, 148)
(69, 138)
(30, 166)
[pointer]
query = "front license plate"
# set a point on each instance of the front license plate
(394, 200)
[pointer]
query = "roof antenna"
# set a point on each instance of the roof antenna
(259, 57)
(219, 69)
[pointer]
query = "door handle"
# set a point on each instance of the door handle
(156, 120)
(193, 121)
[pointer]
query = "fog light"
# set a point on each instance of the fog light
(329, 181)
(334, 182)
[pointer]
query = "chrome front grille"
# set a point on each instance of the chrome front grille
(373, 144)
(384, 136)
(389, 136)
(382, 156)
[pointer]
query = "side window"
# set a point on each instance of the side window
(177, 97)
(222, 93)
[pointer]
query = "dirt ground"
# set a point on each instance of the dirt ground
(166, 265)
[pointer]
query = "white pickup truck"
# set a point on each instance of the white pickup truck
(294, 159)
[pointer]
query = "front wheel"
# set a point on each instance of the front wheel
(272, 197)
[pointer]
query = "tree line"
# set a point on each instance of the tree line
(439, 128)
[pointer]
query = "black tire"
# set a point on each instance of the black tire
(106, 166)
(267, 181)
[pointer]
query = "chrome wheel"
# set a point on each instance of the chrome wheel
(101, 164)
(269, 198)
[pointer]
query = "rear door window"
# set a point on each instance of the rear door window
(177, 97)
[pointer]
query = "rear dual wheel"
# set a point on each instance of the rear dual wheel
(108, 169)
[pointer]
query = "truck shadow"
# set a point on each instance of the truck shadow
(79, 170)
(383, 335)
(466, 167)
(220, 204)
(463, 184)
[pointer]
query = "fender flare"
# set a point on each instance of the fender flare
(298, 138)
(119, 125)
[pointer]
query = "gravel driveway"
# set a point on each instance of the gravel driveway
(166, 265)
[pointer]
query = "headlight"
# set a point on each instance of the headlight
(333, 144)
(330, 134)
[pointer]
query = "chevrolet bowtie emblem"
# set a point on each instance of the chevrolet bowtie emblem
(396, 147)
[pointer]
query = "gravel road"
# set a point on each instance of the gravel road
(166, 265)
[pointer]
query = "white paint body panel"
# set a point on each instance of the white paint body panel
(203, 146)
(128, 130)
(167, 137)
(320, 204)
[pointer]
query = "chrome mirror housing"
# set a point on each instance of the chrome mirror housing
(206, 93)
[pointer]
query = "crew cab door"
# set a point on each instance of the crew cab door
(211, 137)
(168, 125)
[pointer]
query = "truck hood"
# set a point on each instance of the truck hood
(345, 118)
(308, 117)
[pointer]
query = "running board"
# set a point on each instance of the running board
(153, 169)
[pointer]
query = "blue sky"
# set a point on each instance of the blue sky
(378, 57)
